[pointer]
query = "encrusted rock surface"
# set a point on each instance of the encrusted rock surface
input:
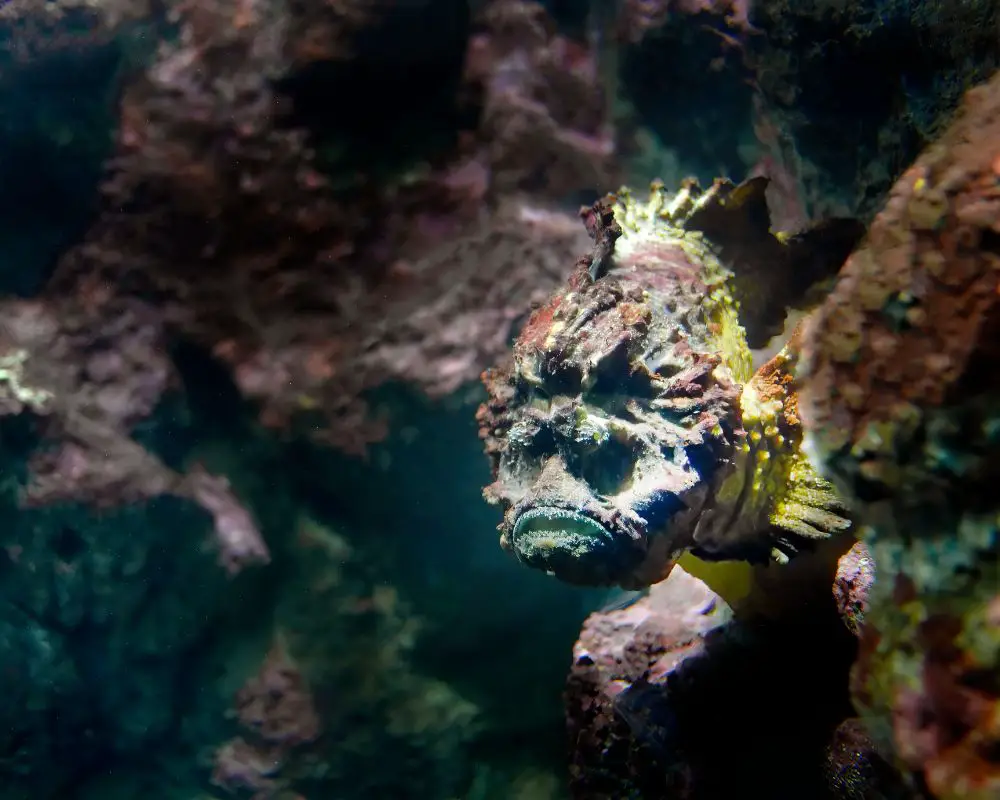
(322, 255)
(765, 82)
(668, 699)
(902, 400)
(115, 564)
(262, 231)
(853, 584)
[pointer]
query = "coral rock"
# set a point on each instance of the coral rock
(901, 399)
(664, 693)
(852, 585)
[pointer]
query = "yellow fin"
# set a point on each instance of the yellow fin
(798, 501)
(809, 507)
(731, 580)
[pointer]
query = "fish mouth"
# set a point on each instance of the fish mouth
(567, 544)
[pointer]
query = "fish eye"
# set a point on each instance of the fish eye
(542, 442)
(608, 467)
(563, 377)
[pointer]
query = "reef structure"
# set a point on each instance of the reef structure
(901, 401)
(649, 685)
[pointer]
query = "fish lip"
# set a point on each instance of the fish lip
(541, 514)
(567, 544)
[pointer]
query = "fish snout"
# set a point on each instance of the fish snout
(566, 544)
(562, 529)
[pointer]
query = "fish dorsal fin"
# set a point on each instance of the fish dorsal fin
(599, 220)
(814, 257)
(772, 273)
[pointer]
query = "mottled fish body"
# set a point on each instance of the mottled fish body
(630, 427)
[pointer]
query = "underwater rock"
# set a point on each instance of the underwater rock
(852, 585)
(630, 427)
(848, 93)
(615, 649)
(61, 66)
(322, 253)
(115, 565)
(244, 224)
(901, 401)
(685, 92)
(831, 100)
(337, 698)
(672, 698)
(128, 607)
(857, 769)
(545, 127)
(638, 18)
(277, 709)
(85, 376)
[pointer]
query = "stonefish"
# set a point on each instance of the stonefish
(629, 426)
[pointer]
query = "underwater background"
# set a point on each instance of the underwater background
(256, 256)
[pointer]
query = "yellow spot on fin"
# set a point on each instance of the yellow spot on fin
(797, 500)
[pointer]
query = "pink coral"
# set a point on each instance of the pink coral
(276, 708)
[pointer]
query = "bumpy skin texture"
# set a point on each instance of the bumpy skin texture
(902, 401)
(629, 426)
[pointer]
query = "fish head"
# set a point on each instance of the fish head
(604, 430)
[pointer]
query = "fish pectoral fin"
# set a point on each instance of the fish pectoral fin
(815, 255)
(809, 510)
(798, 504)
(797, 278)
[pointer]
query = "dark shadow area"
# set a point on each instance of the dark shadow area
(864, 93)
(395, 103)
(57, 130)
(419, 498)
(691, 90)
